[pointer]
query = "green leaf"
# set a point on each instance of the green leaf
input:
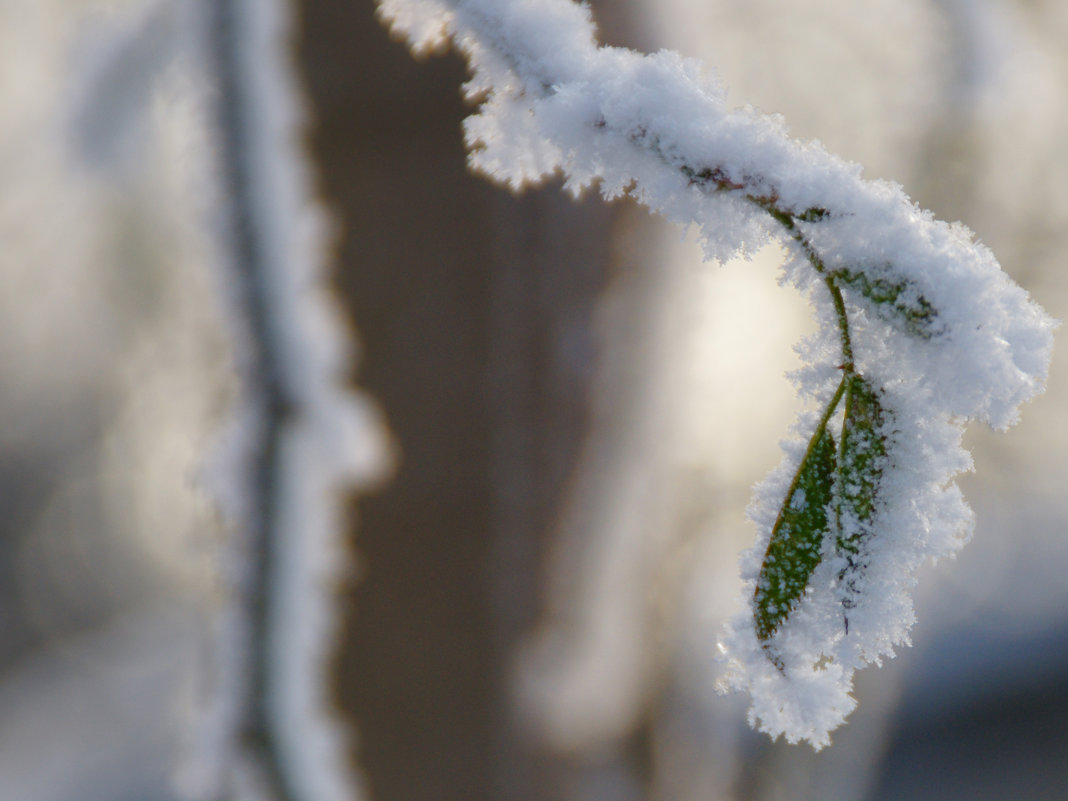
(862, 458)
(893, 300)
(813, 214)
(796, 543)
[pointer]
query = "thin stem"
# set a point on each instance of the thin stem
(266, 387)
(787, 220)
(843, 324)
(716, 180)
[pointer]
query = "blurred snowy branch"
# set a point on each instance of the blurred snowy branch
(171, 162)
(301, 441)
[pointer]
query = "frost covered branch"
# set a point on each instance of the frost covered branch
(920, 330)
(302, 438)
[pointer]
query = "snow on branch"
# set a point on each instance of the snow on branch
(920, 330)
(301, 439)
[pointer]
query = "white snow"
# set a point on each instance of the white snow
(657, 127)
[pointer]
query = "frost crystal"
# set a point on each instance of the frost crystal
(921, 331)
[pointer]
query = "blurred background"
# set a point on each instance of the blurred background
(580, 407)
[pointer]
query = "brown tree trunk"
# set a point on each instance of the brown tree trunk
(473, 308)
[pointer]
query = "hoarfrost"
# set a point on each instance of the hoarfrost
(914, 307)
